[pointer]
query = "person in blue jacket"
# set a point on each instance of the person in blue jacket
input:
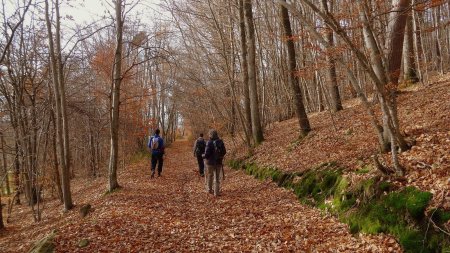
(156, 145)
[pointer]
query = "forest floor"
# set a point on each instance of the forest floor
(175, 213)
(348, 139)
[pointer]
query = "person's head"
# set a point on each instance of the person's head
(213, 134)
(157, 131)
(201, 135)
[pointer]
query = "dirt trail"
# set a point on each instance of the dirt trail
(174, 213)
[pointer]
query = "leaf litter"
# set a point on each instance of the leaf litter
(174, 213)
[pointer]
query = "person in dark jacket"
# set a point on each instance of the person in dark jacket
(156, 145)
(199, 149)
(214, 153)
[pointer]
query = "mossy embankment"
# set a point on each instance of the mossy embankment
(370, 206)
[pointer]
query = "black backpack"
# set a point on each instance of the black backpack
(200, 147)
(219, 151)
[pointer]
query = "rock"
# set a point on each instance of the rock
(44, 245)
(83, 243)
(84, 210)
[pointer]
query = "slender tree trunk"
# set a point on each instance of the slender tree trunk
(116, 82)
(253, 88)
(5, 164)
(438, 46)
(293, 78)
(409, 63)
(418, 49)
(2, 225)
(17, 172)
(377, 65)
(230, 63)
(396, 37)
(422, 47)
(333, 89)
(320, 106)
(92, 151)
(58, 77)
(56, 173)
(244, 67)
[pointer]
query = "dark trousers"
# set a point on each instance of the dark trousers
(157, 159)
(201, 165)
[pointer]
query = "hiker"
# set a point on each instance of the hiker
(214, 153)
(156, 145)
(199, 149)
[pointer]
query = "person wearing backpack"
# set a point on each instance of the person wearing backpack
(214, 153)
(199, 149)
(156, 145)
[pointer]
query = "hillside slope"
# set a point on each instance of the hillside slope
(348, 139)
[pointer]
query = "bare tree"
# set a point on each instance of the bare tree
(409, 60)
(244, 71)
(293, 77)
(253, 88)
(7, 25)
(333, 89)
(56, 65)
(115, 98)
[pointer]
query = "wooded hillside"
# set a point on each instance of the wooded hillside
(356, 89)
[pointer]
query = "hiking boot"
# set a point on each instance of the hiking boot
(159, 174)
(153, 174)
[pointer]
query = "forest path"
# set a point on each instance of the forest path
(174, 213)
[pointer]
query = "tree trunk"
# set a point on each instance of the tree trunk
(2, 225)
(253, 89)
(117, 79)
(409, 63)
(437, 32)
(333, 89)
(17, 172)
(5, 164)
(244, 66)
(56, 173)
(92, 151)
(58, 86)
(396, 37)
(293, 78)
(418, 47)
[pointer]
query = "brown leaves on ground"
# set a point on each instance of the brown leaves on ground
(174, 213)
(348, 138)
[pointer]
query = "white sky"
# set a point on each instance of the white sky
(87, 11)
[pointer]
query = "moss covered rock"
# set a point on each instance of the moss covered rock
(44, 245)
(83, 243)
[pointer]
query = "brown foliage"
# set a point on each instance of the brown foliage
(174, 213)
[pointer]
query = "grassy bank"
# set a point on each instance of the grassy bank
(371, 206)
